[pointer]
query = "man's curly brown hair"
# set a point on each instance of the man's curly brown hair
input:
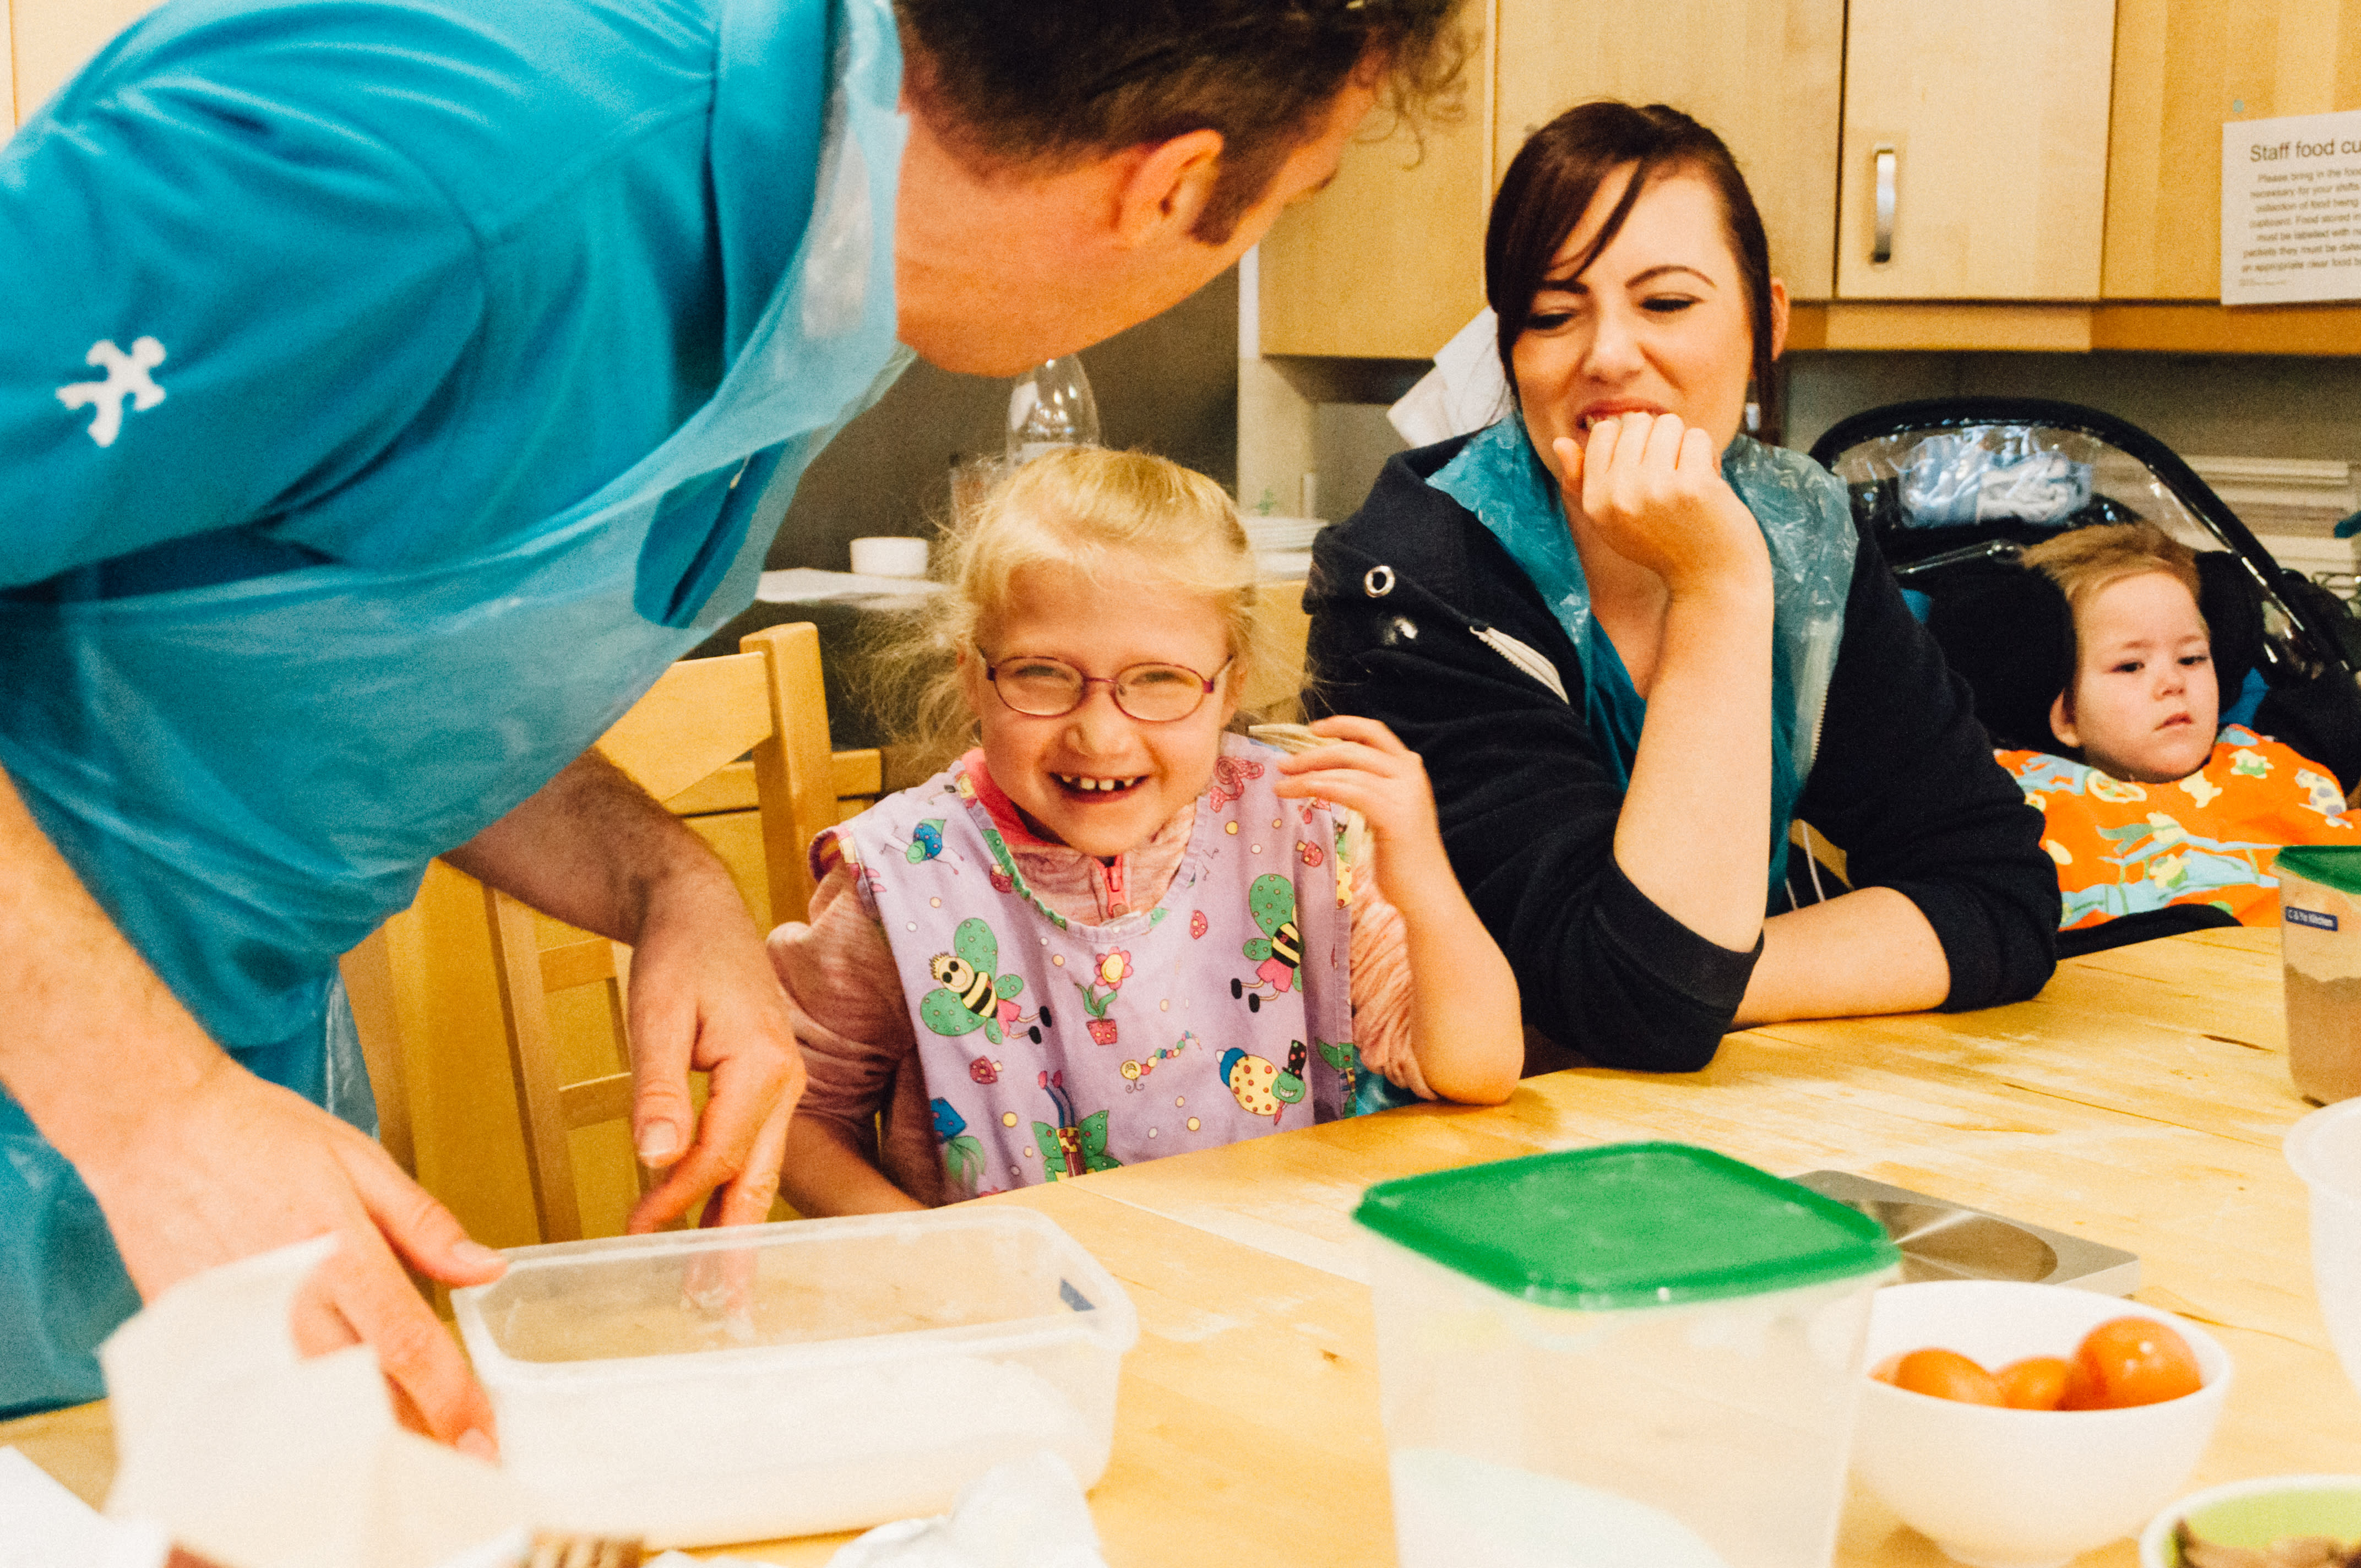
(1016, 82)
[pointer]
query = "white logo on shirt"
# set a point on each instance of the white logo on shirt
(126, 377)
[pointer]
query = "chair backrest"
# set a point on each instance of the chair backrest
(1277, 693)
(696, 722)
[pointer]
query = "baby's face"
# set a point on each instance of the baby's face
(2145, 703)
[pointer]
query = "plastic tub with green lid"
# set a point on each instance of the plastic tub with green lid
(1638, 1353)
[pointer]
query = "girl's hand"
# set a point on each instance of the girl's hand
(1653, 487)
(1368, 769)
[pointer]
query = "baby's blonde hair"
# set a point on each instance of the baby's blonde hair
(2082, 561)
(1090, 509)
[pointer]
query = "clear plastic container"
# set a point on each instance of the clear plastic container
(2319, 918)
(2324, 1149)
(708, 1386)
(1641, 1352)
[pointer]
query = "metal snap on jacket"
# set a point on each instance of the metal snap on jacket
(1378, 582)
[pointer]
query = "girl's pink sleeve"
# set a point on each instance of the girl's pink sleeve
(1380, 965)
(859, 1054)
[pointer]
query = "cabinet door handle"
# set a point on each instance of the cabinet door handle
(1888, 162)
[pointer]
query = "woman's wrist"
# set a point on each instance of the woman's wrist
(1737, 582)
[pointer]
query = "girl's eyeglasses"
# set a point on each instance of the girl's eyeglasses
(1051, 688)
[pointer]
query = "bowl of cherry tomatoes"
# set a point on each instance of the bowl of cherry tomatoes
(2021, 1425)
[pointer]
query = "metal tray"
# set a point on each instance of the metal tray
(1942, 1240)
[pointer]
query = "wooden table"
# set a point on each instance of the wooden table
(2139, 1100)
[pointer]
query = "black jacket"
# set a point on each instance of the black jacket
(1904, 782)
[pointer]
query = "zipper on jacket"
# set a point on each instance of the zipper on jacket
(1523, 656)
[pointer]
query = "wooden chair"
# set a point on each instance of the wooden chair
(682, 743)
(1278, 693)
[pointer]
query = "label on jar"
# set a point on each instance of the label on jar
(2311, 917)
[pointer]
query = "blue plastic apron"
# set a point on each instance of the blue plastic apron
(1807, 522)
(251, 777)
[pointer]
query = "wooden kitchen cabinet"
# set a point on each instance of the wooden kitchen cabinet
(1765, 74)
(1991, 116)
(1389, 261)
(2182, 68)
(48, 41)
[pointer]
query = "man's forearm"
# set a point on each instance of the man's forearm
(76, 994)
(592, 848)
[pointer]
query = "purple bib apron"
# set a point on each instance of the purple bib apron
(1053, 1048)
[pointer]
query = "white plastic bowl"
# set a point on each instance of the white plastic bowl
(2256, 1513)
(2000, 1488)
(2324, 1148)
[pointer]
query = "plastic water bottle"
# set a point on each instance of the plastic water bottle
(1049, 407)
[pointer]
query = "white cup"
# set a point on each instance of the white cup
(889, 557)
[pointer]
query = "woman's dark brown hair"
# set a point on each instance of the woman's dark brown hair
(1559, 170)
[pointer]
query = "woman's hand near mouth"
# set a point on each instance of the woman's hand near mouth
(1648, 488)
(1651, 488)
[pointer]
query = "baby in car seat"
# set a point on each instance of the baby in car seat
(2147, 804)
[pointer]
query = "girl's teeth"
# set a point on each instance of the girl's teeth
(1074, 780)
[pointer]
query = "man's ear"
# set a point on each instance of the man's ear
(2061, 720)
(1168, 184)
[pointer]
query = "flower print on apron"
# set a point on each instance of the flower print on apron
(1052, 1049)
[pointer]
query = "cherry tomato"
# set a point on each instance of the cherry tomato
(2130, 1361)
(1947, 1374)
(2037, 1383)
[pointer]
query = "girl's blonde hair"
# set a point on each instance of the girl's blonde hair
(1094, 511)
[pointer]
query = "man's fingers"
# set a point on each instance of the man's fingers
(664, 1037)
(428, 1236)
(315, 1324)
(416, 1353)
(743, 1092)
(746, 1199)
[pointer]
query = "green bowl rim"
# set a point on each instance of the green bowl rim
(2158, 1531)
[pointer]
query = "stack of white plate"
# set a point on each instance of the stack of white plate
(1282, 545)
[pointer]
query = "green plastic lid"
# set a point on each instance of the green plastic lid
(2337, 867)
(1627, 1225)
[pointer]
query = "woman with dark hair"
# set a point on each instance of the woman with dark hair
(1635, 648)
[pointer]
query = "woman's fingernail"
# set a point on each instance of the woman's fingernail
(660, 1141)
(471, 1253)
(476, 1445)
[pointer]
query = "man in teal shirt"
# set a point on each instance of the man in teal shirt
(392, 390)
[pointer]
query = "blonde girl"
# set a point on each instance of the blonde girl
(1112, 929)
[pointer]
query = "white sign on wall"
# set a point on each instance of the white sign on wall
(2292, 209)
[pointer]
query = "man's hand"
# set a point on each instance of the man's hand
(592, 849)
(704, 997)
(238, 1167)
(195, 1162)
